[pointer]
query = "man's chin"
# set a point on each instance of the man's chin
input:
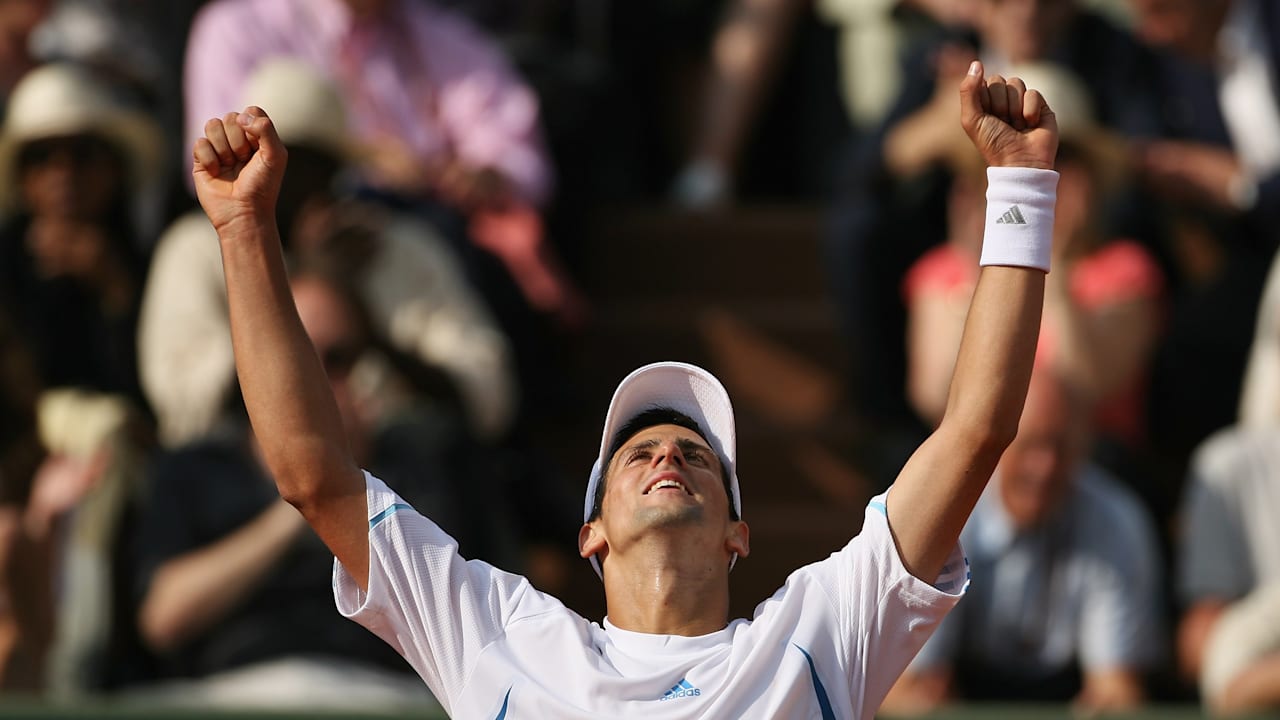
(669, 516)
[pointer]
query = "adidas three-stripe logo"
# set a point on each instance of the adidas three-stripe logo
(1012, 216)
(681, 689)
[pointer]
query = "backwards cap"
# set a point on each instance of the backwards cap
(685, 388)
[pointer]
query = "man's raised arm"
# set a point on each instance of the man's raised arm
(238, 168)
(933, 496)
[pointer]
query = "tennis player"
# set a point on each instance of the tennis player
(662, 511)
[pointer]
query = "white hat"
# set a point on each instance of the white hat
(60, 99)
(304, 105)
(685, 388)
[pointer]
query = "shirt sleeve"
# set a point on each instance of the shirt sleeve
(886, 613)
(941, 649)
(436, 609)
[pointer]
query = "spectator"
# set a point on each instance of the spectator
(1227, 152)
(127, 42)
(1070, 608)
(66, 458)
(441, 116)
(1228, 557)
(409, 279)
(233, 581)
(72, 158)
(1217, 170)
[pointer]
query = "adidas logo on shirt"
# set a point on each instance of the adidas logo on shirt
(1012, 216)
(680, 690)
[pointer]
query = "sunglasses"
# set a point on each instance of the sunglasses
(78, 149)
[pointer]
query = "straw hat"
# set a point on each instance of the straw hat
(1078, 127)
(303, 104)
(62, 99)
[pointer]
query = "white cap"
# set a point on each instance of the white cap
(305, 106)
(685, 388)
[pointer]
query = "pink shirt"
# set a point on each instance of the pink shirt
(424, 75)
(1118, 272)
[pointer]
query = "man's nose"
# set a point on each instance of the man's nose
(668, 452)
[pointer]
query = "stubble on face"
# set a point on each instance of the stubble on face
(668, 517)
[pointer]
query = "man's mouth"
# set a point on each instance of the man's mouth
(667, 483)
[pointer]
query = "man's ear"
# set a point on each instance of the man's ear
(590, 540)
(739, 539)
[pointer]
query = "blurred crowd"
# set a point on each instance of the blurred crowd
(444, 159)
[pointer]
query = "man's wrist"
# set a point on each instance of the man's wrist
(246, 227)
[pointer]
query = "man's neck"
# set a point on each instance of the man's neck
(667, 592)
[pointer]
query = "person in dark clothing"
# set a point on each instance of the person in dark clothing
(73, 158)
(231, 581)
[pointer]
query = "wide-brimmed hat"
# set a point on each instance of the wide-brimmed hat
(303, 104)
(66, 99)
(1078, 126)
(682, 387)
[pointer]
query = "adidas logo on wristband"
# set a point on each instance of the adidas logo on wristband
(1012, 216)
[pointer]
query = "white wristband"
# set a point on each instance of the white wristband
(1019, 228)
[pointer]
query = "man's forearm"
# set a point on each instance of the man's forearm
(285, 388)
(993, 368)
(993, 371)
(941, 483)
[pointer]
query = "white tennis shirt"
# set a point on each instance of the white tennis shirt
(829, 644)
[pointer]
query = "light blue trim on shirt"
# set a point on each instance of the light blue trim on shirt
(503, 712)
(373, 521)
(877, 505)
(824, 703)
